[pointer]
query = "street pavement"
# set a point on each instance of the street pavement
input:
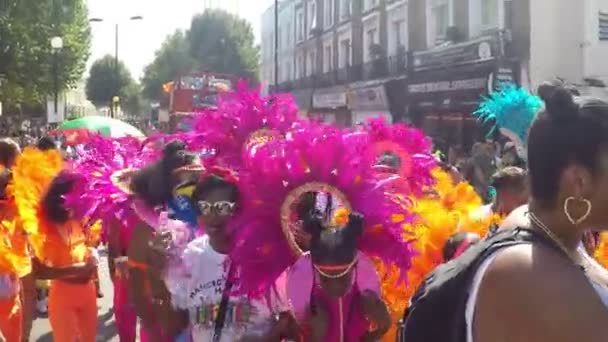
(106, 330)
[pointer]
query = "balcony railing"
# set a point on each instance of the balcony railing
(379, 68)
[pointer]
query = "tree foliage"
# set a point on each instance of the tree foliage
(172, 59)
(104, 79)
(27, 61)
(216, 41)
(222, 42)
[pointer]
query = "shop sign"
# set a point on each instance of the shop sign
(478, 50)
(368, 98)
(446, 86)
(329, 100)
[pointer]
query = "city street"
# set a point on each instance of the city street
(106, 331)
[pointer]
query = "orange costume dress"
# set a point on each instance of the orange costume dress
(72, 305)
(15, 263)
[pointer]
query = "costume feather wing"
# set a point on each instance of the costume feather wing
(33, 172)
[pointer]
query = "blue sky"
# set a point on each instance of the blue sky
(138, 40)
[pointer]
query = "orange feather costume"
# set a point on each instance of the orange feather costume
(447, 209)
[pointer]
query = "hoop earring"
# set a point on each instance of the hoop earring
(582, 218)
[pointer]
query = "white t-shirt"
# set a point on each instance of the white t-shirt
(200, 292)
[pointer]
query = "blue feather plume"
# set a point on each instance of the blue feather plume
(513, 109)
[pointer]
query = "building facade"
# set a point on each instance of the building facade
(576, 51)
(347, 56)
(286, 29)
(429, 62)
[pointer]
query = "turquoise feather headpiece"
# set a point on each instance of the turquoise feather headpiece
(513, 109)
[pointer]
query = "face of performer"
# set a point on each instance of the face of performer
(215, 201)
(333, 252)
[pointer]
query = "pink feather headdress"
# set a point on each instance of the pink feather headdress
(311, 157)
(411, 146)
(242, 117)
(98, 196)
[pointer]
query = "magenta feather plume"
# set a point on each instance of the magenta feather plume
(405, 140)
(239, 114)
(96, 197)
(311, 153)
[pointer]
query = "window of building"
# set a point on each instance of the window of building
(369, 5)
(300, 24)
(397, 34)
(312, 62)
(329, 13)
(328, 58)
(312, 16)
(344, 53)
(440, 13)
(371, 38)
(300, 66)
(345, 9)
(603, 26)
(489, 13)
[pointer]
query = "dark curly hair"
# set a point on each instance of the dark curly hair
(53, 201)
(569, 130)
(154, 183)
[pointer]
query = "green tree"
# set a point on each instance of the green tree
(223, 42)
(104, 79)
(133, 103)
(172, 59)
(27, 62)
(217, 41)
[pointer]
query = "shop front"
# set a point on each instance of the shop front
(368, 100)
(331, 106)
(446, 85)
(303, 98)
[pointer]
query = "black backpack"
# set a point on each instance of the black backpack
(437, 310)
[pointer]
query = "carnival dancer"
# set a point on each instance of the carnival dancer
(59, 245)
(9, 150)
(324, 160)
(152, 188)
(101, 196)
(203, 280)
(15, 264)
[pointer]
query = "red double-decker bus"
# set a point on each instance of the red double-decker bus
(193, 92)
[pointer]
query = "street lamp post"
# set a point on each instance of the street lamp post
(116, 90)
(56, 45)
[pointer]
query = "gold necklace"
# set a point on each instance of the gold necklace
(575, 257)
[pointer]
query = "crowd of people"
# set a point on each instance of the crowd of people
(259, 226)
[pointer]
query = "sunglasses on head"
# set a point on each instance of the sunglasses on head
(222, 208)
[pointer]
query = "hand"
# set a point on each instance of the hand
(159, 245)
(319, 322)
(376, 312)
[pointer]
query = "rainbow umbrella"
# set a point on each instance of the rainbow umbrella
(79, 130)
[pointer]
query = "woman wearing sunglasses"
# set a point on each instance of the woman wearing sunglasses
(203, 292)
